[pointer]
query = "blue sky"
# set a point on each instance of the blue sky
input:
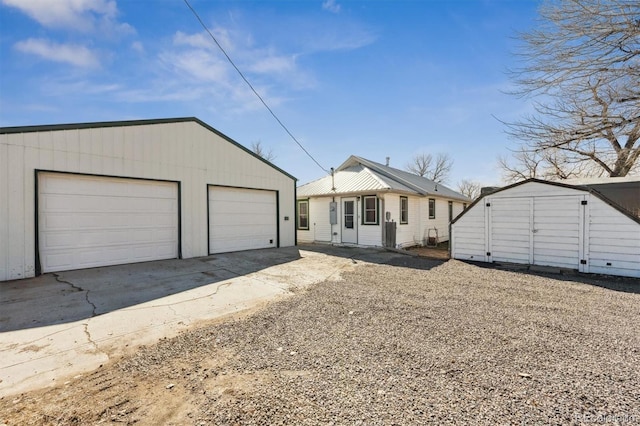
(372, 78)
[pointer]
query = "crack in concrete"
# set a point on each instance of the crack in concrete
(77, 288)
(88, 334)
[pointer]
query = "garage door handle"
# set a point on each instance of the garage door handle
(534, 230)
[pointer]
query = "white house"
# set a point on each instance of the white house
(355, 204)
(95, 194)
(555, 224)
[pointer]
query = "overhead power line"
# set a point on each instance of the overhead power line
(251, 86)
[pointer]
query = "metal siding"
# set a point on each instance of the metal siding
(469, 234)
(188, 152)
(614, 241)
(4, 210)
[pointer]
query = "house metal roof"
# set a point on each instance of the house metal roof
(359, 175)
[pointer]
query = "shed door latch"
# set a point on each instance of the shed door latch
(583, 261)
(583, 202)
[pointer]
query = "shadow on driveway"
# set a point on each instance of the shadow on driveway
(374, 255)
(58, 298)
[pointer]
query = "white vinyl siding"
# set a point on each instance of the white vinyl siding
(184, 152)
(441, 222)
(413, 233)
(319, 228)
(89, 221)
(241, 219)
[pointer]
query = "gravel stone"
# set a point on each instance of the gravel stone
(424, 342)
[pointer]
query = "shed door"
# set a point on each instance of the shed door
(510, 229)
(537, 230)
(242, 219)
(90, 221)
(557, 231)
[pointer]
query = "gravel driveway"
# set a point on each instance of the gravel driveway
(429, 342)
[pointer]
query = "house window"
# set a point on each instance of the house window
(450, 211)
(370, 210)
(303, 214)
(404, 210)
(432, 208)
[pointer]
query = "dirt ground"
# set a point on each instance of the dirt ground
(417, 342)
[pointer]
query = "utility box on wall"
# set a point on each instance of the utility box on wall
(333, 213)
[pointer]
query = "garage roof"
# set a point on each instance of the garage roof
(99, 124)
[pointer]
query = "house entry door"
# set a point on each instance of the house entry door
(349, 220)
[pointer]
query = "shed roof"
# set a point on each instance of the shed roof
(358, 174)
(593, 189)
(126, 123)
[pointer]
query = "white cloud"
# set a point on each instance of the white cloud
(203, 40)
(274, 64)
(73, 54)
(331, 6)
(137, 46)
(79, 15)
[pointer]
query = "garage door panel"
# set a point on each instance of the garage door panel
(241, 219)
(89, 221)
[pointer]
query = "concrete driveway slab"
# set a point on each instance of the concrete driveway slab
(59, 325)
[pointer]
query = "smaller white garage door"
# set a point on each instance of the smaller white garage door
(90, 221)
(241, 219)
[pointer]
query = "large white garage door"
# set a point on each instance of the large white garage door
(241, 219)
(89, 221)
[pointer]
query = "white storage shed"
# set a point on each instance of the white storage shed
(553, 224)
(95, 194)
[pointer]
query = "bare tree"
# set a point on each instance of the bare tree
(437, 169)
(259, 150)
(581, 68)
(469, 188)
(550, 164)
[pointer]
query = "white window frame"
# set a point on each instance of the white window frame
(365, 210)
(404, 208)
(299, 215)
(432, 208)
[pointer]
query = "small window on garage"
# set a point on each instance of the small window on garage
(370, 210)
(432, 208)
(404, 210)
(303, 214)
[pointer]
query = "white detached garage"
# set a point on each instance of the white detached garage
(546, 223)
(96, 194)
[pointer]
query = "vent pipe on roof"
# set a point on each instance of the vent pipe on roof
(388, 158)
(333, 183)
